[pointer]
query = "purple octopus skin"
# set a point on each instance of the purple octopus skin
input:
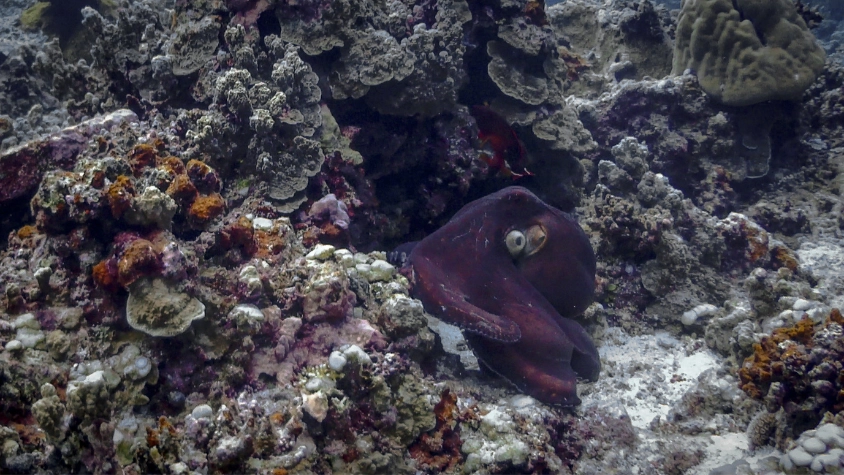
(511, 271)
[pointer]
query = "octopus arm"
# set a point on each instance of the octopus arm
(448, 302)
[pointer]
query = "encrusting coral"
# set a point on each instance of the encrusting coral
(798, 368)
(157, 308)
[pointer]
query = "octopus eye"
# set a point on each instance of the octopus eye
(515, 241)
(535, 239)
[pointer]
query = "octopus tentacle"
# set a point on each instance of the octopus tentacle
(450, 305)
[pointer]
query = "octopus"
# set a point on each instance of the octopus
(511, 272)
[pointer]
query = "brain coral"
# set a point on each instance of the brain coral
(747, 51)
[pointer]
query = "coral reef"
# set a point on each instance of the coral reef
(252, 163)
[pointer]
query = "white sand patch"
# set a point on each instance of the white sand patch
(648, 374)
(723, 450)
(726, 453)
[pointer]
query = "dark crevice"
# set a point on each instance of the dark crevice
(268, 24)
(16, 213)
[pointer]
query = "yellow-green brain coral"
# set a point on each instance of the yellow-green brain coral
(747, 51)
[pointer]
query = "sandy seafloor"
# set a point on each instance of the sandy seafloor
(198, 197)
